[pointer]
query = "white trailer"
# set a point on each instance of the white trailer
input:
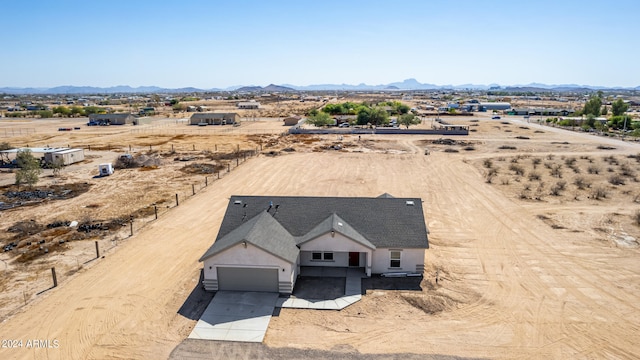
(105, 169)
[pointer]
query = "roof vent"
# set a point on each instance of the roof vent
(410, 203)
(238, 202)
(339, 223)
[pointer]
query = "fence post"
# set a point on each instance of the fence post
(228, 167)
(149, 147)
(97, 250)
(206, 182)
(177, 203)
(55, 278)
(193, 189)
(194, 147)
(218, 174)
(155, 210)
(131, 224)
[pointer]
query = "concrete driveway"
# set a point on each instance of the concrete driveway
(236, 316)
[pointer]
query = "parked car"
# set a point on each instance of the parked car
(344, 125)
(496, 117)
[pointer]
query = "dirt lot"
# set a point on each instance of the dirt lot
(551, 274)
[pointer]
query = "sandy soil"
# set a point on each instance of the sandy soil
(511, 284)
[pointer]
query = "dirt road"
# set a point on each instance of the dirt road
(518, 288)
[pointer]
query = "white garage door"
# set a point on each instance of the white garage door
(247, 279)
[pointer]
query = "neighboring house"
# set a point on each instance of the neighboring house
(213, 119)
(112, 119)
(264, 240)
(292, 120)
(487, 106)
(249, 105)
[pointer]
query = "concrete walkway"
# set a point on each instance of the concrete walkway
(236, 316)
(352, 290)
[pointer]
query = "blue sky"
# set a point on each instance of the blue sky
(209, 44)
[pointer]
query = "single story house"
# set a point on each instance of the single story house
(210, 118)
(112, 119)
(264, 240)
(487, 106)
(292, 120)
(249, 105)
(65, 156)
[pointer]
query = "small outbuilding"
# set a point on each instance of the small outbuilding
(249, 105)
(210, 118)
(112, 119)
(64, 156)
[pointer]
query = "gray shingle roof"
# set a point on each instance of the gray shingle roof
(384, 222)
(335, 223)
(262, 231)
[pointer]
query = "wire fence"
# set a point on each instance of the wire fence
(44, 274)
(17, 132)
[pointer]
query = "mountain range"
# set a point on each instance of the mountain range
(408, 84)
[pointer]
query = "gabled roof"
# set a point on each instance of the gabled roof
(262, 231)
(337, 224)
(110, 116)
(383, 222)
(211, 115)
(387, 196)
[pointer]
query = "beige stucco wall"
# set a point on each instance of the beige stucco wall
(409, 258)
(340, 246)
(251, 256)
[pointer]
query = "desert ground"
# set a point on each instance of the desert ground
(534, 258)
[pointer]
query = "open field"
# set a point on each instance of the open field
(522, 273)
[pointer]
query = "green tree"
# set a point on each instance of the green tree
(592, 106)
(378, 116)
(29, 168)
(320, 119)
(76, 110)
(44, 114)
(619, 107)
(408, 120)
(62, 110)
(605, 110)
(590, 121)
(56, 166)
(93, 110)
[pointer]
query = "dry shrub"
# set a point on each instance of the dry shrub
(556, 171)
(506, 147)
(592, 169)
(599, 193)
(517, 169)
(616, 180)
(534, 176)
(536, 162)
(581, 183)
(487, 163)
(557, 188)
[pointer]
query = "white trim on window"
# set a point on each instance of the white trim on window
(395, 259)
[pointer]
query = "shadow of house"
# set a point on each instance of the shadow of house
(197, 301)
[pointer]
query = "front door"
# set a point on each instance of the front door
(354, 259)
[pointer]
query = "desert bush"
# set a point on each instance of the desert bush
(616, 180)
(534, 176)
(581, 183)
(550, 157)
(599, 193)
(556, 171)
(522, 137)
(527, 187)
(536, 162)
(469, 148)
(611, 160)
(487, 163)
(592, 169)
(492, 172)
(451, 150)
(604, 147)
(548, 165)
(505, 181)
(517, 169)
(489, 179)
(540, 191)
(626, 170)
(501, 158)
(570, 161)
(610, 169)
(506, 147)
(558, 188)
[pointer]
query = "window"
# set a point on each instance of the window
(322, 256)
(394, 259)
